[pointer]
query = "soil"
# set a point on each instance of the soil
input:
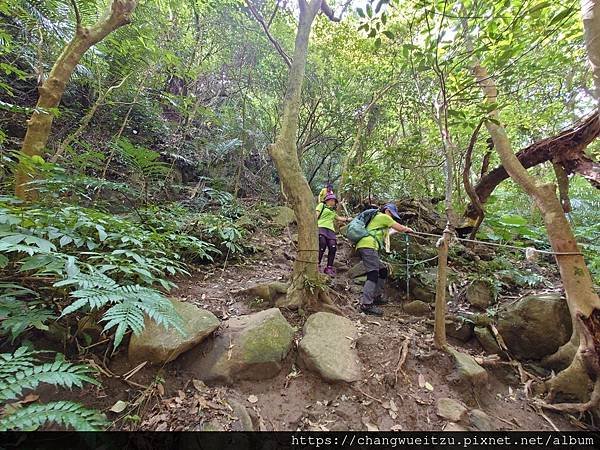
(388, 397)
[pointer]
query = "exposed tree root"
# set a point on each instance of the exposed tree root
(593, 403)
(304, 298)
(585, 366)
(563, 357)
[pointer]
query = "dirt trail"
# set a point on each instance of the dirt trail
(387, 398)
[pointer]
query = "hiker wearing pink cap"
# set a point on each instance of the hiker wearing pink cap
(326, 216)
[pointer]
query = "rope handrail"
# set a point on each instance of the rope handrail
(495, 244)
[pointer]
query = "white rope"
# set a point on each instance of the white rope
(494, 244)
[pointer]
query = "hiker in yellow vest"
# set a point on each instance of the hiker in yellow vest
(328, 189)
(326, 216)
(368, 248)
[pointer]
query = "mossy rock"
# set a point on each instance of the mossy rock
(468, 369)
(487, 341)
(417, 308)
(251, 347)
(480, 294)
(282, 215)
(535, 326)
(159, 345)
(459, 329)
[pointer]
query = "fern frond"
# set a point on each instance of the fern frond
(89, 281)
(22, 359)
(124, 316)
(17, 316)
(64, 413)
(58, 373)
(164, 314)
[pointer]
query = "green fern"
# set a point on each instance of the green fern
(20, 360)
(27, 376)
(22, 370)
(17, 316)
(130, 303)
(64, 413)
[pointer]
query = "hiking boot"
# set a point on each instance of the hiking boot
(372, 310)
(381, 301)
(329, 271)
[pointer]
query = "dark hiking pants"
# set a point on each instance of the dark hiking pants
(377, 272)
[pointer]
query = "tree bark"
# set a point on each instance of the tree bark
(467, 182)
(40, 123)
(301, 292)
(583, 302)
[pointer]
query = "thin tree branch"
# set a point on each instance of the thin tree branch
(326, 9)
(77, 14)
(265, 27)
(273, 15)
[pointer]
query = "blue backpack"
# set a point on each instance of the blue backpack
(357, 228)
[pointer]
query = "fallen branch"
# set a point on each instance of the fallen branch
(403, 353)
(367, 395)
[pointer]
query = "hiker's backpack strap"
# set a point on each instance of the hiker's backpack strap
(321, 212)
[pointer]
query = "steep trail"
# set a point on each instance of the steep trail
(388, 397)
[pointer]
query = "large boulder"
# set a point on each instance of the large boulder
(535, 326)
(282, 215)
(159, 345)
(251, 347)
(327, 348)
(480, 294)
(356, 270)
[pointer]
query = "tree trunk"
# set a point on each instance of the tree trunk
(301, 292)
(51, 91)
(582, 300)
(439, 332)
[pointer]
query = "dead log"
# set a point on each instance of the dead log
(566, 148)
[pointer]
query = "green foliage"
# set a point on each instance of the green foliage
(129, 303)
(65, 413)
(22, 370)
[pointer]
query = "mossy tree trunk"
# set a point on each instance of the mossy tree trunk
(51, 91)
(302, 292)
(583, 302)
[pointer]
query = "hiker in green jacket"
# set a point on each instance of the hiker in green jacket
(326, 216)
(368, 248)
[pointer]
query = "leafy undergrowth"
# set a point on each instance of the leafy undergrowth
(67, 268)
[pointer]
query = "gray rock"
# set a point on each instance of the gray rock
(417, 308)
(282, 215)
(468, 369)
(251, 347)
(535, 326)
(487, 341)
(481, 421)
(159, 345)
(451, 409)
(327, 348)
(360, 280)
(479, 294)
(357, 270)
(244, 422)
(459, 329)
